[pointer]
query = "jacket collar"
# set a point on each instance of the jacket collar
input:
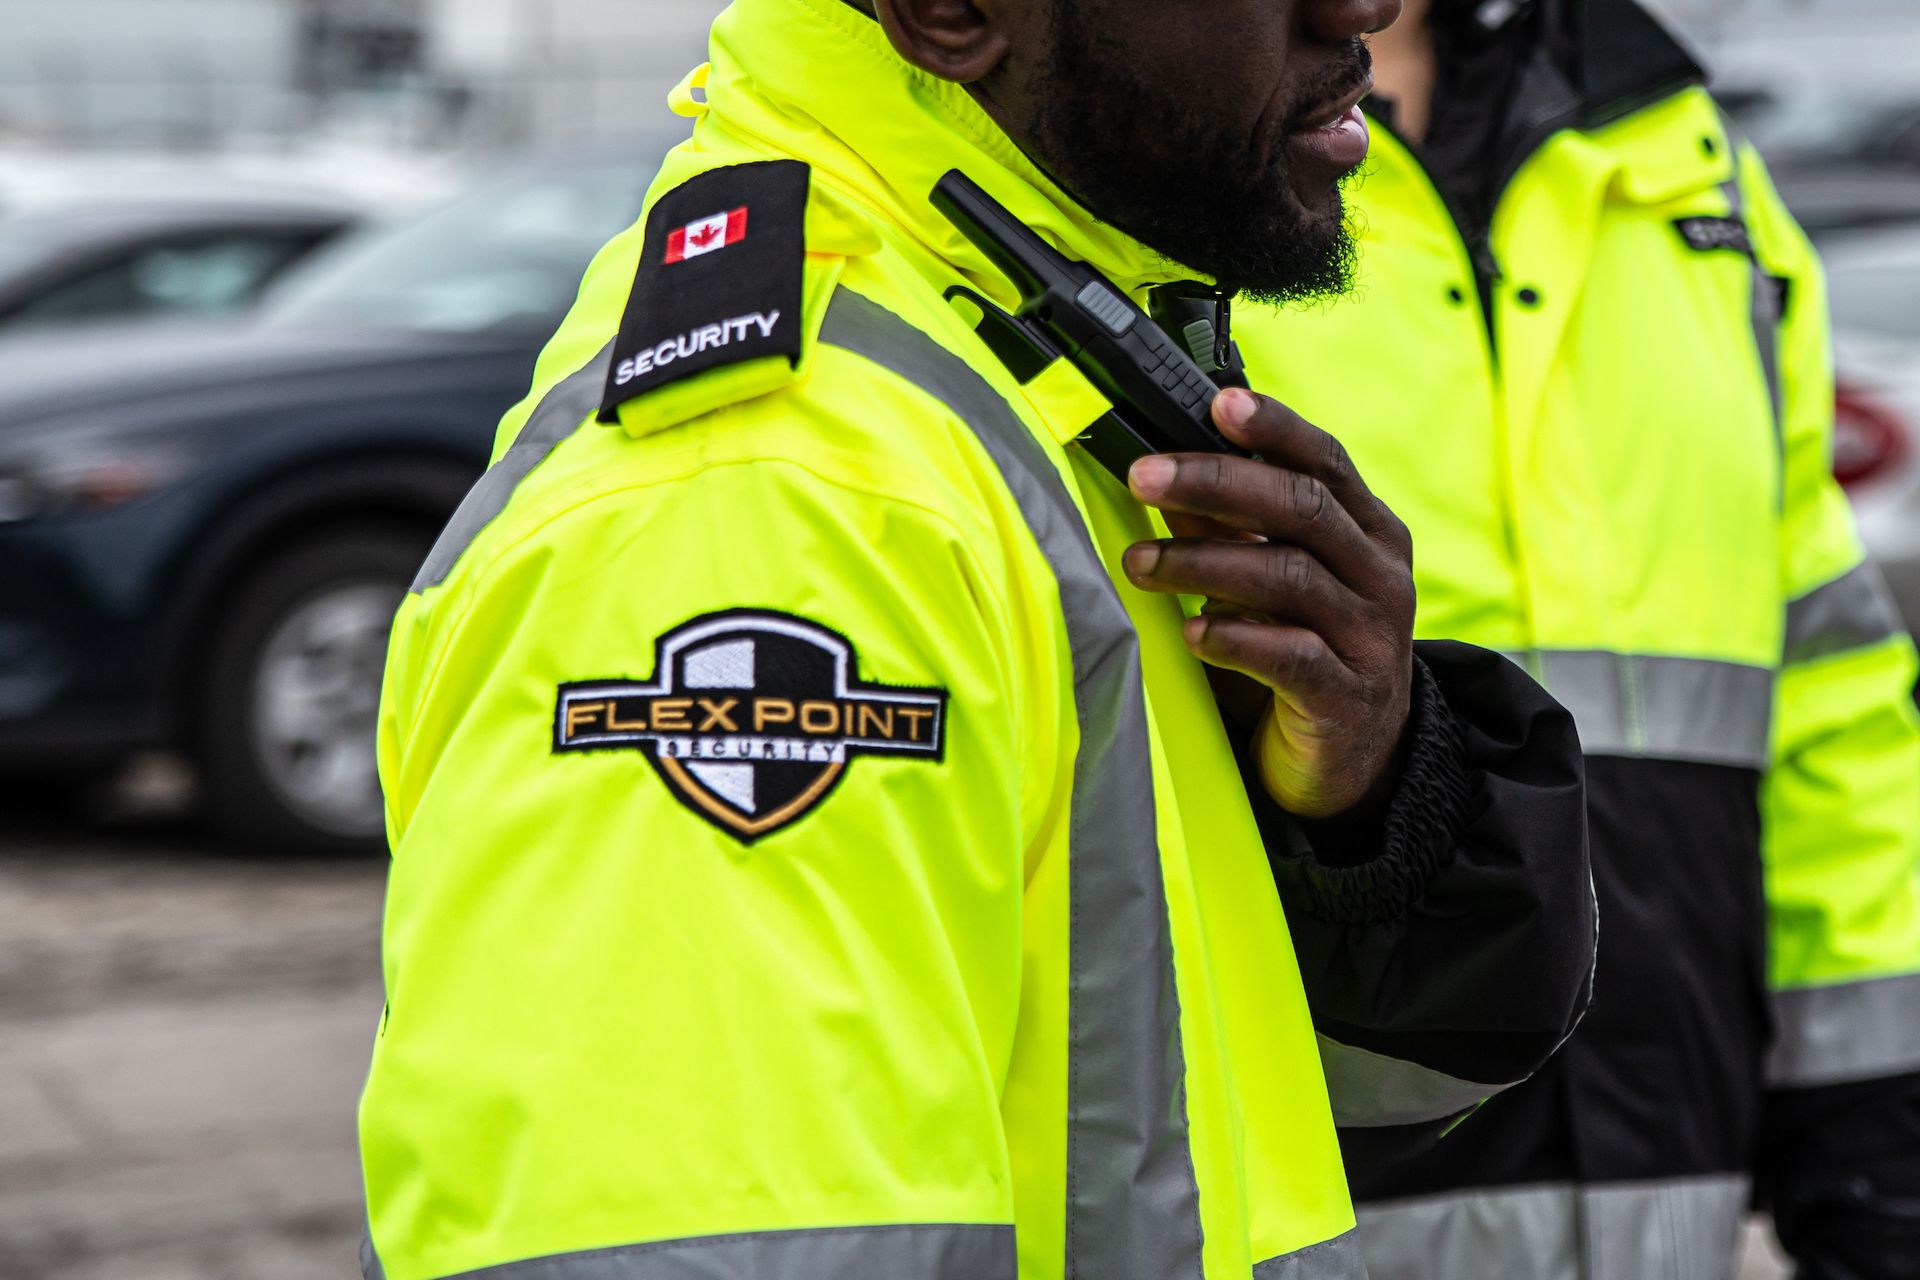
(1624, 58)
(1576, 63)
(1521, 71)
(818, 81)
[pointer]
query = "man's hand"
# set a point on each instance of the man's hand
(1309, 582)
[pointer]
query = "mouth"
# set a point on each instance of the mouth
(1331, 136)
(1330, 113)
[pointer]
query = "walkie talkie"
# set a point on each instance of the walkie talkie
(1162, 399)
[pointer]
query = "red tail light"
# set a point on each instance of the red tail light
(1869, 439)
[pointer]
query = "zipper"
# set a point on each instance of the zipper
(1481, 259)
(1479, 248)
(1184, 306)
(1487, 273)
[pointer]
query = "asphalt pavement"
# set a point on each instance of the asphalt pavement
(183, 1034)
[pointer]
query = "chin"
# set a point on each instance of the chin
(1320, 209)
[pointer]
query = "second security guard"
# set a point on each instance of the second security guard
(1615, 340)
(815, 855)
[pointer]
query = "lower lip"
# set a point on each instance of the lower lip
(1342, 144)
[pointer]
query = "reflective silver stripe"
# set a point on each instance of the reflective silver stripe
(1765, 311)
(1132, 1202)
(1370, 1089)
(1661, 708)
(1684, 1229)
(1847, 1031)
(563, 411)
(938, 1252)
(1335, 1259)
(1670, 1229)
(1518, 1233)
(1851, 612)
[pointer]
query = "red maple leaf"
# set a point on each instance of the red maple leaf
(704, 236)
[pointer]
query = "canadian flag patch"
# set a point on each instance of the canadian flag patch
(704, 235)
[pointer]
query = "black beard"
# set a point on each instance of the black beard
(1139, 158)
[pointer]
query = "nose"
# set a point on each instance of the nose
(1346, 19)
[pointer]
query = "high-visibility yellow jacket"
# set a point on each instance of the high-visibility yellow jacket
(811, 859)
(1620, 478)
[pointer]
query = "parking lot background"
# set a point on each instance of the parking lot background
(182, 1036)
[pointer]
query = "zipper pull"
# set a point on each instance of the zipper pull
(1485, 264)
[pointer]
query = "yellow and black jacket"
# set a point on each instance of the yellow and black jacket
(1588, 363)
(810, 857)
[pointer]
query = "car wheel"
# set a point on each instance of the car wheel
(291, 697)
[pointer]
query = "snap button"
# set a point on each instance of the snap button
(1528, 297)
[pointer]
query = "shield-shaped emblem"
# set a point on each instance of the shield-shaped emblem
(751, 718)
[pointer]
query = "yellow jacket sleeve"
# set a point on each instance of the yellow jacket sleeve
(1841, 804)
(705, 915)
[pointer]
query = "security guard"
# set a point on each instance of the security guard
(1612, 339)
(818, 851)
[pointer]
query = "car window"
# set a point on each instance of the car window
(24, 245)
(508, 253)
(1876, 295)
(203, 276)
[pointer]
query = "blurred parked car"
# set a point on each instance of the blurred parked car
(126, 257)
(1848, 125)
(374, 180)
(1829, 199)
(1875, 286)
(205, 530)
(1844, 153)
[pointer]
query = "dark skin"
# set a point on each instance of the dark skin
(1309, 583)
(1307, 575)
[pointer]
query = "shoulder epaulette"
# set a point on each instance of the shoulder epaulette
(720, 281)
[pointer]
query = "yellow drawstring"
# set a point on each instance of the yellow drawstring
(682, 102)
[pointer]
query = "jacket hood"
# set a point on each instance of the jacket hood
(818, 80)
(1618, 56)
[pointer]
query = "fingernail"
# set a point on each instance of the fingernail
(1233, 407)
(1142, 559)
(1151, 475)
(1196, 628)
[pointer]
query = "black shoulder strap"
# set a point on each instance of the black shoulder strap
(719, 280)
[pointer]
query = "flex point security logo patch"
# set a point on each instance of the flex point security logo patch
(752, 718)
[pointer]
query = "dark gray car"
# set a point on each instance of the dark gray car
(205, 530)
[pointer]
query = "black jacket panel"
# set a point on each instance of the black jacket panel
(1839, 1166)
(1467, 946)
(1663, 1079)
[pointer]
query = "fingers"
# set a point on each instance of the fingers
(1284, 583)
(1182, 525)
(1295, 662)
(1253, 497)
(1285, 439)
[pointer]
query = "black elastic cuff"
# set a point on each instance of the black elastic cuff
(1352, 877)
